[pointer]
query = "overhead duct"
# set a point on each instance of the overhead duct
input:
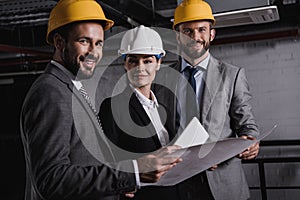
(248, 16)
(230, 13)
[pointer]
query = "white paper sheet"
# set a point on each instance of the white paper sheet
(194, 134)
(201, 157)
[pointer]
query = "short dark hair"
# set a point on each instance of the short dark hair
(176, 28)
(66, 29)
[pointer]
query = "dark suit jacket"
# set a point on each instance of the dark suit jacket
(128, 126)
(65, 150)
(225, 111)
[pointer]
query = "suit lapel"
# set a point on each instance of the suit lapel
(167, 107)
(64, 78)
(138, 109)
(212, 83)
(172, 78)
(142, 119)
(76, 96)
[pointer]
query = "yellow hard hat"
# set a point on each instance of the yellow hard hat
(68, 11)
(191, 10)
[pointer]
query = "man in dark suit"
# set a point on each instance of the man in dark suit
(67, 155)
(135, 120)
(219, 96)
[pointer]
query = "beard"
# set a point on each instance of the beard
(73, 65)
(194, 53)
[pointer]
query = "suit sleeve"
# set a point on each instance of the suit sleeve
(107, 120)
(49, 129)
(242, 118)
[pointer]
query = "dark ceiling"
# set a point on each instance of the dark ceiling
(23, 25)
(22, 22)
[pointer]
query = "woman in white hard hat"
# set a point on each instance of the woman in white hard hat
(135, 121)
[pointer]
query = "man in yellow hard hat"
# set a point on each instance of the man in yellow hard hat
(217, 94)
(67, 155)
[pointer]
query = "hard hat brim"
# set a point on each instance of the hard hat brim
(144, 52)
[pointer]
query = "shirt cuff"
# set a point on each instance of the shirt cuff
(137, 176)
(136, 172)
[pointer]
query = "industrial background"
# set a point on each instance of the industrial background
(260, 35)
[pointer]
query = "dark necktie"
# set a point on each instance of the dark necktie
(191, 101)
(192, 71)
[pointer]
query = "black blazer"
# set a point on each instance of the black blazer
(128, 126)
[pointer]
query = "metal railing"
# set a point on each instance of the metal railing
(262, 160)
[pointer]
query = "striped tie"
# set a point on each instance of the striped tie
(87, 98)
(105, 148)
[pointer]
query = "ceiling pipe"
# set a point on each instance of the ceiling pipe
(123, 17)
(24, 61)
(21, 73)
(258, 36)
(32, 52)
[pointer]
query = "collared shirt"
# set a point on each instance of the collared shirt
(150, 106)
(62, 68)
(76, 83)
(182, 87)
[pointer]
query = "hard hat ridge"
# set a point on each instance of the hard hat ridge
(141, 40)
(191, 10)
(69, 11)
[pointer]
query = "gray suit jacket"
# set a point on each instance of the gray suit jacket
(225, 112)
(65, 151)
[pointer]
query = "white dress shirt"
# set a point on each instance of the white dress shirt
(150, 106)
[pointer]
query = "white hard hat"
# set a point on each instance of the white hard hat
(142, 40)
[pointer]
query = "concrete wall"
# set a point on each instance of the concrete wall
(273, 71)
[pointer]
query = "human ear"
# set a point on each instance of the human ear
(177, 37)
(158, 65)
(58, 41)
(212, 34)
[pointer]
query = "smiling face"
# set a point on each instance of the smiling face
(81, 50)
(194, 40)
(141, 70)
